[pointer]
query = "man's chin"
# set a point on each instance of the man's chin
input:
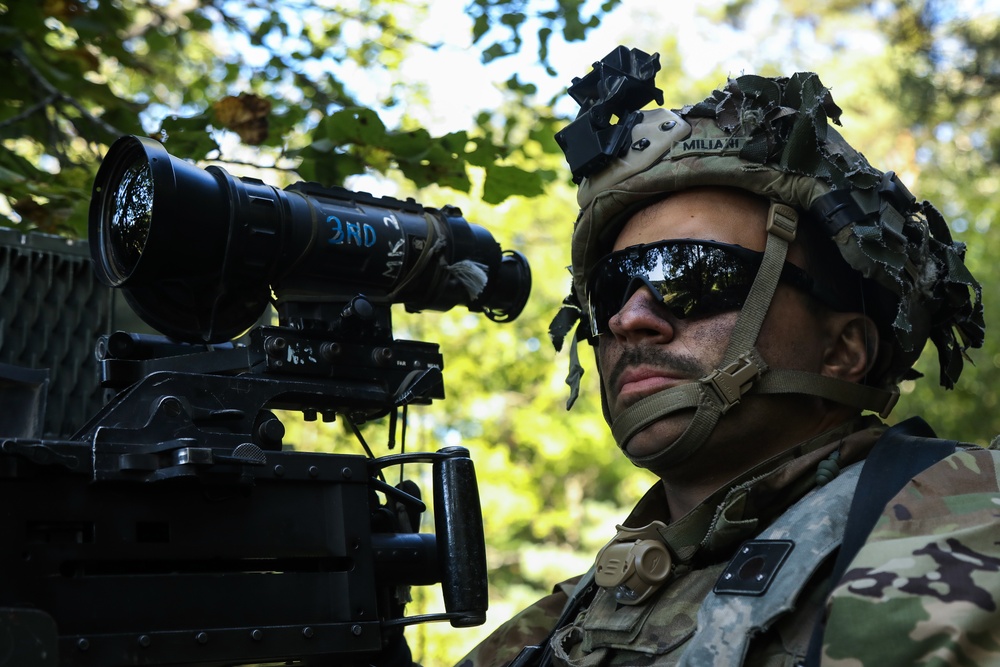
(657, 436)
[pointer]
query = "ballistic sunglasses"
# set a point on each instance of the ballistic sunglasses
(692, 278)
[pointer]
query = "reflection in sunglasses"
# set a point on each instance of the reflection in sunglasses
(691, 278)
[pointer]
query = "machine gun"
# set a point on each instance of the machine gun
(173, 528)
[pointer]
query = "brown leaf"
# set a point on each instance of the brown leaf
(45, 218)
(63, 9)
(245, 115)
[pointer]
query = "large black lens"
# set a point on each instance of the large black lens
(130, 215)
(159, 229)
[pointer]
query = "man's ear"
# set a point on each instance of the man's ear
(852, 348)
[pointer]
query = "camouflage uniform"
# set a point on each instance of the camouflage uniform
(925, 587)
(923, 590)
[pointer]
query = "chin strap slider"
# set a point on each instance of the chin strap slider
(782, 221)
(731, 382)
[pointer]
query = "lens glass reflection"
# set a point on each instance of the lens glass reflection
(131, 213)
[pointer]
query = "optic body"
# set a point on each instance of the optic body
(199, 253)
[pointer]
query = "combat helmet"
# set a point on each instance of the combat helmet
(772, 137)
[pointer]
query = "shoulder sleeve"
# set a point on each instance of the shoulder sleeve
(529, 627)
(924, 589)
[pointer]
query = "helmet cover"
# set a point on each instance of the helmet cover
(773, 137)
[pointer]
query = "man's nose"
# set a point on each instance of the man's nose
(642, 317)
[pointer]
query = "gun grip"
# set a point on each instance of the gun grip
(461, 546)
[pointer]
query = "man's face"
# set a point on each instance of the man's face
(648, 349)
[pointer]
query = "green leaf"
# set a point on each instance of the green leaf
(455, 142)
(333, 169)
(480, 27)
(443, 174)
(189, 137)
(199, 22)
(513, 20)
(495, 51)
(178, 124)
(514, 84)
(484, 153)
(158, 41)
(408, 145)
(502, 182)
(355, 125)
(543, 45)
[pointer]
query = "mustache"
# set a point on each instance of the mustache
(656, 357)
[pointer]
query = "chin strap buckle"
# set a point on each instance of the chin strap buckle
(731, 382)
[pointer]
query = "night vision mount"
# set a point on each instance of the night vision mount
(616, 88)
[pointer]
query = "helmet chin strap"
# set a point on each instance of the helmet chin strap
(741, 371)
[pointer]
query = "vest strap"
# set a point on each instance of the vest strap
(815, 524)
(902, 453)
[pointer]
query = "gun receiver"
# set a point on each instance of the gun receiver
(172, 530)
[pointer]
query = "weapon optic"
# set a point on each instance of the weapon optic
(173, 528)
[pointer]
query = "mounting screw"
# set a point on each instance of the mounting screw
(275, 345)
(356, 630)
(145, 641)
(171, 405)
(313, 471)
(256, 635)
(201, 637)
(346, 473)
(307, 632)
(83, 643)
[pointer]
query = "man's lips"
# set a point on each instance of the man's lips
(638, 383)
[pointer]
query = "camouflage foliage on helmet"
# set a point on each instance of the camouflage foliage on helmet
(774, 137)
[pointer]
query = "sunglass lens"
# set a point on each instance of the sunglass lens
(692, 279)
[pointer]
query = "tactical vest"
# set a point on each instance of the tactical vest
(766, 577)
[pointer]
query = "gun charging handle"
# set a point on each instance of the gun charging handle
(461, 546)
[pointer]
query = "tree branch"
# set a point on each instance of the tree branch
(55, 96)
(34, 108)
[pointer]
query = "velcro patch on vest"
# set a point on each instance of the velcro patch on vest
(754, 567)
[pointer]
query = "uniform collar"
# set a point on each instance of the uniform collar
(746, 505)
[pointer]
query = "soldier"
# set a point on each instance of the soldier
(755, 292)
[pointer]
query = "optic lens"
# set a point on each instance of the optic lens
(131, 212)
